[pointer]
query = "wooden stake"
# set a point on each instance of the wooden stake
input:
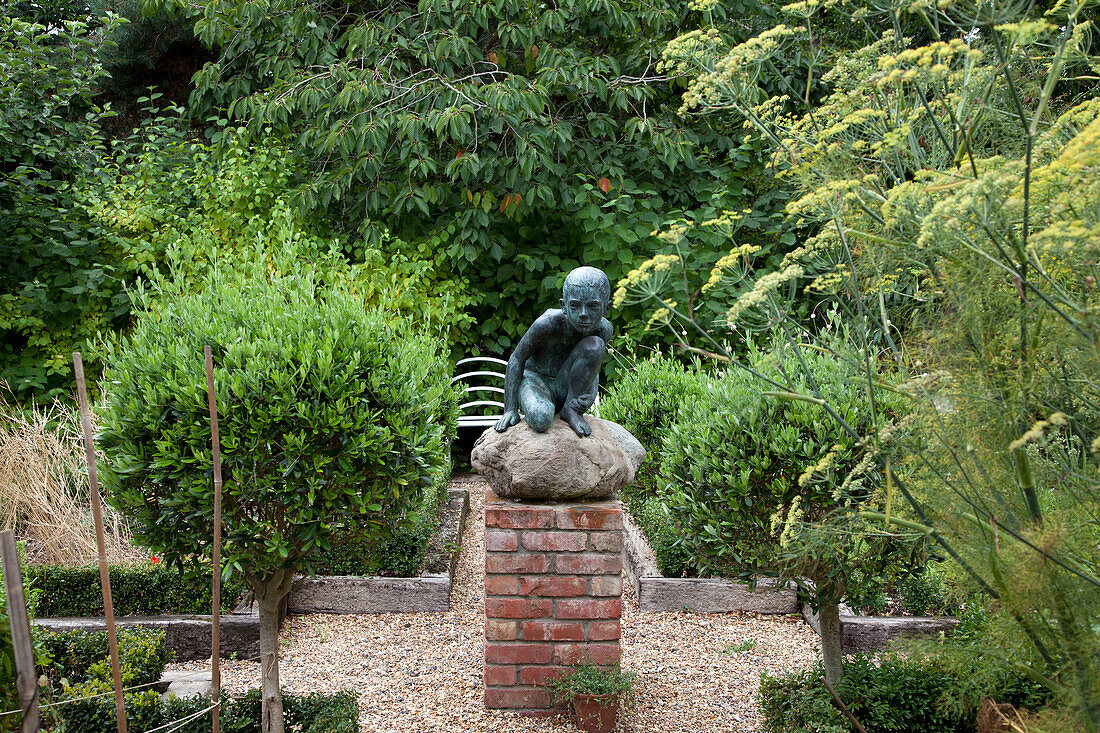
(26, 677)
(843, 708)
(97, 517)
(215, 441)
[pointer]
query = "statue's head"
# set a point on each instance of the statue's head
(585, 298)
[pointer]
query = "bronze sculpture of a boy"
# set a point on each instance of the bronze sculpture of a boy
(556, 366)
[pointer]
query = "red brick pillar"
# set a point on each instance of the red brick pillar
(553, 595)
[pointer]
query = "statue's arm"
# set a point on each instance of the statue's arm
(513, 375)
(589, 397)
(605, 330)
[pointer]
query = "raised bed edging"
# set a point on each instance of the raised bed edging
(871, 633)
(709, 595)
(187, 636)
(657, 593)
(431, 592)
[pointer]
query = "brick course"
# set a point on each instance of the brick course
(553, 595)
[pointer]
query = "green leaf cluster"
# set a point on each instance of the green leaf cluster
(57, 285)
(593, 679)
(80, 656)
(519, 141)
(893, 693)
(310, 713)
(173, 198)
(646, 400)
(335, 418)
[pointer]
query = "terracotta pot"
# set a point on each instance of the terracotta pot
(595, 713)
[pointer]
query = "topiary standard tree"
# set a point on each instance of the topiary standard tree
(335, 420)
(764, 483)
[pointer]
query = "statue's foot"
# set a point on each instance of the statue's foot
(576, 421)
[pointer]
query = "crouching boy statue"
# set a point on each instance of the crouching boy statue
(556, 366)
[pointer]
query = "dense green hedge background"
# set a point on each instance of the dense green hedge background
(140, 590)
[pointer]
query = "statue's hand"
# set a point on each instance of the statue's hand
(510, 418)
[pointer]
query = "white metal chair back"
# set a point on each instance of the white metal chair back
(482, 382)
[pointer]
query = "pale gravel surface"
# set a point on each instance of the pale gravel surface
(422, 672)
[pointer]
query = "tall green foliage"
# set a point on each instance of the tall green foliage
(58, 285)
(953, 180)
(173, 195)
(519, 140)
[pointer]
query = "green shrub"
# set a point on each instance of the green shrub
(925, 593)
(80, 656)
(9, 692)
(644, 400)
(312, 713)
(740, 463)
(82, 713)
(399, 556)
(139, 590)
(673, 558)
(334, 418)
(890, 695)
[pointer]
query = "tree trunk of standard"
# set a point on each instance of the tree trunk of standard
(268, 596)
(832, 642)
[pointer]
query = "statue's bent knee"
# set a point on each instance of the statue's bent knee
(540, 417)
(591, 347)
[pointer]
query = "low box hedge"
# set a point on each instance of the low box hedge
(312, 713)
(401, 555)
(76, 656)
(890, 694)
(140, 590)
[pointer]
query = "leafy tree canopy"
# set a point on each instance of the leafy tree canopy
(519, 139)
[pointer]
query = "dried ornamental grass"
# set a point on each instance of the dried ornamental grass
(44, 493)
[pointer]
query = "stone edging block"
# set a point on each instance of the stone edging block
(431, 592)
(871, 633)
(704, 595)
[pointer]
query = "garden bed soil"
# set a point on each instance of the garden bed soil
(427, 593)
(657, 593)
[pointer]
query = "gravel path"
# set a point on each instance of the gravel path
(422, 672)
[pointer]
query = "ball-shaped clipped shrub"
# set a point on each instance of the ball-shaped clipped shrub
(334, 418)
(762, 481)
(645, 401)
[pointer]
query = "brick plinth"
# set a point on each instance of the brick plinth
(553, 595)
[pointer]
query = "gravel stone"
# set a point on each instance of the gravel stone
(423, 671)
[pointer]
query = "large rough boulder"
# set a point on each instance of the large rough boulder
(558, 465)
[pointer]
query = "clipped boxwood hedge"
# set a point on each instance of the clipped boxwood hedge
(79, 655)
(313, 713)
(141, 590)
